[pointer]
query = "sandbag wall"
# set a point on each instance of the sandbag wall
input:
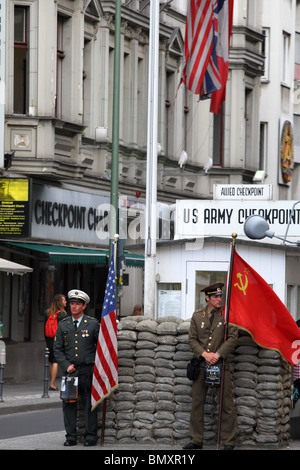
(153, 400)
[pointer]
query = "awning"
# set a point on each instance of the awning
(66, 254)
(13, 268)
(134, 260)
(73, 255)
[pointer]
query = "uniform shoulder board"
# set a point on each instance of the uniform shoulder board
(64, 319)
(199, 310)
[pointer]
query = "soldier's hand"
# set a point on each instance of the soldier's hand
(211, 357)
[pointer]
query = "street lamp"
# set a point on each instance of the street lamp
(256, 228)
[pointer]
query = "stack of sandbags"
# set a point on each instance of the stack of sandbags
(153, 401)
(245, 385)
(274, 398)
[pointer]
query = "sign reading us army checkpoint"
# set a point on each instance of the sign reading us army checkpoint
(199, 218)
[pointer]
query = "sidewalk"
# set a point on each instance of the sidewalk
(27, 396)
(21, 397)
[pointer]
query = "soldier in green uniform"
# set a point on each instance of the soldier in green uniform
(206, 339)
(74, 348)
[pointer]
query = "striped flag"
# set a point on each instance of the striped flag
(207, 34)
(198, 44)
(105, 378)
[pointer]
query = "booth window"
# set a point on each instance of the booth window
(204, 279)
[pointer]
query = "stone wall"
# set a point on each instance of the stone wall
(153, 400)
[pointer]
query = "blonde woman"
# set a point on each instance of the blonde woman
(55, 313)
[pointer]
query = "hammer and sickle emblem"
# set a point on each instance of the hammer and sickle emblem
(242, 286)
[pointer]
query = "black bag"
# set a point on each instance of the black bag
(69, 389)
(213, 374)
(193, 368)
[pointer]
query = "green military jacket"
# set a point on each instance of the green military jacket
(210, 338)
(76, 346)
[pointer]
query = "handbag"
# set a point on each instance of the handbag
(213, 374)
(69, 389)
(193, 368)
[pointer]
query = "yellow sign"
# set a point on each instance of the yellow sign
(14, 207)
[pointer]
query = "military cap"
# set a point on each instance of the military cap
(214, 289)
(76, 295)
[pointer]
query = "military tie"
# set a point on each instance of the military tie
(211, 318)
(75, 324)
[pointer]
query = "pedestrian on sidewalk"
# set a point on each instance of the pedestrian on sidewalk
(53, 315)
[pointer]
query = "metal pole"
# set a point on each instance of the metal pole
(46, 374)
(114, 188)
(151, 183)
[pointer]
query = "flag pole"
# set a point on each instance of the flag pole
(226, 316)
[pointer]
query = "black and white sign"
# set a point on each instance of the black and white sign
(255, 192)
(198, 218)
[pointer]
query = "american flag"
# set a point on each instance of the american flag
(105, 378)
(208, 29)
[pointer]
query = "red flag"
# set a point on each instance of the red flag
(225, 18)
(105, 378)
(255, 307)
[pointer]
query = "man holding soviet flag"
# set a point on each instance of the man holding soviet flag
(255, 307)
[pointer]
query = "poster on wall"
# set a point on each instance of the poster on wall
(169, 303)
(15, 208)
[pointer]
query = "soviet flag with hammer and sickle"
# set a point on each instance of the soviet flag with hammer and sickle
(256, 308)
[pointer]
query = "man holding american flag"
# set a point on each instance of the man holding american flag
(105, 378)
(74, 348)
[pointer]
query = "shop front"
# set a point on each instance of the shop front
(67, 247)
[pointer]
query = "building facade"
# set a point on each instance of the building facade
(58, 128)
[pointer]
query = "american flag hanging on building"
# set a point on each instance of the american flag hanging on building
(105, 378)
(208, 29)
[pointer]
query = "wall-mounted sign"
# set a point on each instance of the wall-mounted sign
(286, 151)
(14, 208)
(198, 218)
(254, 192)
(69, 215)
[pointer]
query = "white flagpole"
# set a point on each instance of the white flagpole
(151, 183)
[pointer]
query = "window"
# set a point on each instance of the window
(21, 60)
(285, 58)
(249, 127)
(266, 53)
(297, 57)
(60, 55)
(263, 146)
(86, 83)
(169, 116)
(204, 279)
(218, 137)
(293, 301)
